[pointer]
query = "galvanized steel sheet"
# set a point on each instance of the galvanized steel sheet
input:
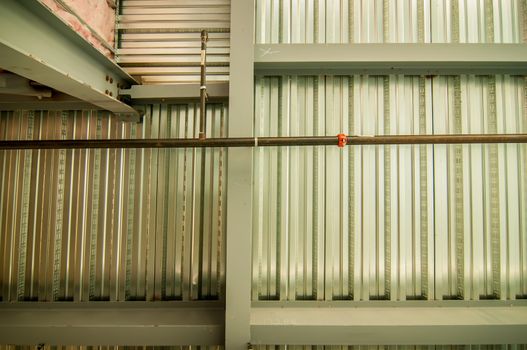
(389, 21)
(390, 222)
(401, 222)
(102, 224)
(159, 41)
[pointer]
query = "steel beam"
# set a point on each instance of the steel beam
(12, 84)
(58, 102)
(411, 59)
(408, 324)
(37, 45)
(239, 187)
(112, 323)
(146, 94)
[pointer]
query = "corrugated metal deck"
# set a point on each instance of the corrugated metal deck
(390, 222)
(385, 21)
(401, 222)
(113, 225)
(159, 41)
(369, 223)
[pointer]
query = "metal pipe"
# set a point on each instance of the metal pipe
(203, 86)
(263, 141)
(436, 139)
(202, 137)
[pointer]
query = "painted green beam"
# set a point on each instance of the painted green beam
(58, 102)
(411, 59)
(378, 323)
(175, 92)
(37, 45)
(112, 323)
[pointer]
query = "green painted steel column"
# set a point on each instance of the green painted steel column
(239, 206)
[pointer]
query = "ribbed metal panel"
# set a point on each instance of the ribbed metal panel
(111, 224)
(377, 21)
(480, 191)
(159, 41)
(390, 222)
(477, 21)
(340, 21)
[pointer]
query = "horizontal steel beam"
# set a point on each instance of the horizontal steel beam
(372, 304)
(295, 323)
(329, 325)
(57, 102)
(37, 45)
(175, 92)
(265, 141)
(112, 323)
(410, 59)
(13, 84)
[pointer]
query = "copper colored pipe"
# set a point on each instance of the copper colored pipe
(203, 86)
(436, 139)
(264, 141)
(202, 137)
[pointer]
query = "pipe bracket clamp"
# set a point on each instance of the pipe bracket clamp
(343, 140)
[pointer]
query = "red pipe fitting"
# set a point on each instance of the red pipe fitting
(343, 139)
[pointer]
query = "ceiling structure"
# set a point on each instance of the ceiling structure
(283, 247)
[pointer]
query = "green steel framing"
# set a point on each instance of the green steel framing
(388, 323)
(146, 94)
(112, 323)
(239, 205)
(23, 35)
(414, 59)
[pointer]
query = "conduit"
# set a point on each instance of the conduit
(202, 136)
(203, 86)
(266, 141)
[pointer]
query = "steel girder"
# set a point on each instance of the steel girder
(37, 45)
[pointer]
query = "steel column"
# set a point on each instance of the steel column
(239, 187)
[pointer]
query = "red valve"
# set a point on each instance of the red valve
(343, 139)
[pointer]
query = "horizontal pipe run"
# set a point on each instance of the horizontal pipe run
(263, 141)
(436, 139)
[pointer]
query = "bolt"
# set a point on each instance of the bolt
(111, 94)
(107, 78)
(111, 80)
(106, 92)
